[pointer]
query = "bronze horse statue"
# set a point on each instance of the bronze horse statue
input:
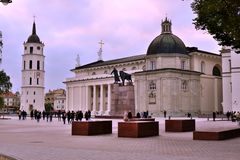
(124, 76)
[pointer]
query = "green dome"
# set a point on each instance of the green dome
(166, 42)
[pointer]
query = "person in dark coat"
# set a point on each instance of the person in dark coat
(138, 115)
(64, 117)
(165, 113)
(214, 116)
(129, 115)
(86, 115)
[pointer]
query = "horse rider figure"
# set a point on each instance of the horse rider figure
(116, 76)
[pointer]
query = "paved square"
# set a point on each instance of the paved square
(29, 140)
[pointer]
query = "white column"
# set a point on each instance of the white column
(94, 99)
(101, 99)
(109, 99)
(80, 98)
(87, 98)
(72, 98)
(67, 100)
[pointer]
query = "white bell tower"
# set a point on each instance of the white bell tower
(32, 90)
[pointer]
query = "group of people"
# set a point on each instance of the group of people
(61, 115)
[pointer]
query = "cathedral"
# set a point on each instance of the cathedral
(169, 77)
(32, 90)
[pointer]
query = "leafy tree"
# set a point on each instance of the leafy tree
(5, 86)
(221, 18)
(48, 107)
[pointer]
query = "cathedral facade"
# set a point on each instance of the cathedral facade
(169, 77)
(32, 90)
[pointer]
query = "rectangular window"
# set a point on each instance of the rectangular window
(30, 81)
(152, 65)
(37, 81)
(38, 65)
(24, 64)
(182, 64)
(31, 50)
(30, 64)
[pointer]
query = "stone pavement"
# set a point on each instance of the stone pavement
(29, 140)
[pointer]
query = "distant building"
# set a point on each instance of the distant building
(230, 80)
(169, 76)
(11, 102)
(32, 94)
(57, 99)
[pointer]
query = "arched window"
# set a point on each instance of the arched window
(202, 67)
(30, 81)
(30, 64)
(216, 71)
(38, 65)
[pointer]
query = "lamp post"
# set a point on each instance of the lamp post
(5, 2)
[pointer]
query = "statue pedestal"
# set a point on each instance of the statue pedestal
(122, 100)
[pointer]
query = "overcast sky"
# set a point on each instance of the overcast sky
(71, 27)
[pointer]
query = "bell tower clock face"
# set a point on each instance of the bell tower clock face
(38, 74)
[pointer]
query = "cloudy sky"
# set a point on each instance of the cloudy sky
(71, 27)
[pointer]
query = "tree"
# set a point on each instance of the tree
(5, 86)
(48, 107)
(221, 18)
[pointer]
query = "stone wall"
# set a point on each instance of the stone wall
(122, 99)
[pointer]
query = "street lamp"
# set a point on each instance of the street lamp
(5, 2)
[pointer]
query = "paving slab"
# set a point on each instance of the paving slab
(30, 140)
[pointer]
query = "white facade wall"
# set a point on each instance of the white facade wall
(231, 79)
(33, 75)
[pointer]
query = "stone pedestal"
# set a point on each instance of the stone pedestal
(91, 127)
(122, 99)
(180, 125)
(136, 129)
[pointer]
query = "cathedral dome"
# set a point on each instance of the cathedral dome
(166, 42)
(34, 37)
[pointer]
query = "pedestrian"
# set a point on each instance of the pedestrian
(165, 113)
(214, 116)
(64, 117)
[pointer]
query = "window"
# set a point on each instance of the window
(37, 81)
(216, 71)
(134, 68)
(30, 81)
(184, 85)
(31, 50)
(27, 92)
(34, 93)
(30, 64)
(152, 65)
(105, 72)
(202, 67)
(182, 64)
(25, 48)
(230, 65)
(24, 64)
(34, 101)
(38, 65)
(152, 85)
(94, 73)
(38, 48)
